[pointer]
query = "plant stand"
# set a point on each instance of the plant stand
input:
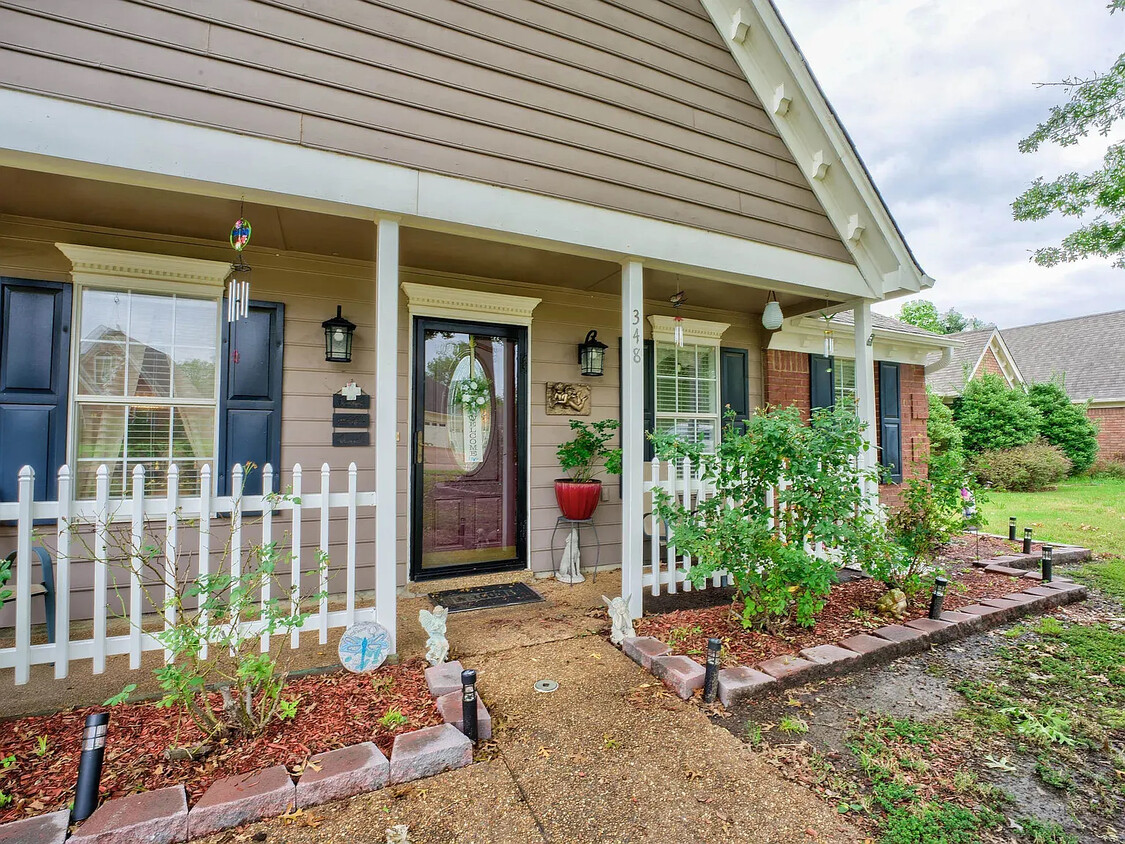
(573, 526)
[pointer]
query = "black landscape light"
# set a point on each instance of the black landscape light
(90, 766)
(1027, 540)
(937, 597)
(711, 678)
(1012, 528)
(469, 704)
(591, 355)
(338, 333)
(1047, 565)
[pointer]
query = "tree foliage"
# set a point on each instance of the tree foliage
(771, 554)
(992, 415)
(924, 314)
(1095, 104)
(1065, 424)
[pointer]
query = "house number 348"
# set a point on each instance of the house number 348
(636, 336)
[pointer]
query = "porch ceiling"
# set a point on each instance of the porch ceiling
(198, 217)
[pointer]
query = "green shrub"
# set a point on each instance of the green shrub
(1065, 424)
(1027, 468)
(1108, 469)
(994, 416)
(945, 436)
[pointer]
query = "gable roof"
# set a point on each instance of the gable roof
(1087, 351)
(950, 380)
(887, 323)
(768, 55)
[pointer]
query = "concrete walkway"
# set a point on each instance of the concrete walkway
(609, 757)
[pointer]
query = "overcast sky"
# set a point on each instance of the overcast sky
(936, 95)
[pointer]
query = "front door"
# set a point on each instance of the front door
(468, 448)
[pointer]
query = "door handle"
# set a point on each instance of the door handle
(419, 447)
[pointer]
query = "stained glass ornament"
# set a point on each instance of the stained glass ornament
(240, 234)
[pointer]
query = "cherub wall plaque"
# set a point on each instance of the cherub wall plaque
(568, 399)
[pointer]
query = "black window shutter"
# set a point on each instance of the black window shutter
(34, 382)
(250, 395)
(822, 382)
(734, 384)
(890, 420)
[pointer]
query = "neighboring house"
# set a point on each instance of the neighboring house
(797, 372)
(454, 177)
(1085, 352)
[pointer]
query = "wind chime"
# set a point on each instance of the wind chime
(829, 340)
(678, 327)
(238, 288)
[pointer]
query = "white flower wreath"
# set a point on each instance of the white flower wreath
(474, 393)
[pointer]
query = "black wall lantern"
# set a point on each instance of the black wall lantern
(591, 355)
(338, 338)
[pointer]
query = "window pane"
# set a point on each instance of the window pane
(105, 315)
(148, 431)
(706, 356)
(194, 373)
(665, 359)
(685, 362)
(665, 395)
(193, 432)
(87, 478)
(707, 398)
(100, 431)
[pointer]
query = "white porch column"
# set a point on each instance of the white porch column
(632, 432)
(865, 387)
(386, 426)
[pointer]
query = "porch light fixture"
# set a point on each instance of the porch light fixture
(771, 315)
(591, 355)
(937, 597)
(1047, 564)
(90, 766)
(338, 338)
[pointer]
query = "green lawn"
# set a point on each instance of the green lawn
(1082, 511)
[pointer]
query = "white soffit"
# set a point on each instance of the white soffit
(806, 334)
(456, 303)
(777, 72)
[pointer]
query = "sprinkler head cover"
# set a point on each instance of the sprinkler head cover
(546, 686)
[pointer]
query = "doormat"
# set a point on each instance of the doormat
(486, 597)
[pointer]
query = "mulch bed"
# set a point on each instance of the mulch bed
(336, 710)
(966, 548)
(850, 609)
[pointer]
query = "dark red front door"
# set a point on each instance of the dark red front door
(467, 448)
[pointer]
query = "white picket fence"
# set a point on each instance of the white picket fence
(664, 566)
(195, 512)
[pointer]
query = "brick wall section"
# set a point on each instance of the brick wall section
(787, 380)
(989, 364)
(1111, 431)
(787, 383)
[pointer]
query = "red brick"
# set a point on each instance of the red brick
(742, 683)
(237, 800)
(642, 649)
(151, 817)
(342, 773)
(42, 829)
(681, 674)
(898, 633)
(788, 668)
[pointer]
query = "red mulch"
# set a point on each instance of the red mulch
(965, 548)
(850, 610)
(335, 710)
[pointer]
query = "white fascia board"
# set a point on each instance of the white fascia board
(998, 339)
(806, 335)
(59, 136)
(770, 60)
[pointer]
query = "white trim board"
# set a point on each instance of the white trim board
(427, 300)
(51, 135)
(806, 334)
(776, 70)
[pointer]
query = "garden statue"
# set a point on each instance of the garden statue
(570, 567)
(398, 834)
(622, 621)
(893, 604)
(437, 646)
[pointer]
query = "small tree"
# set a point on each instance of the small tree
(1065, 424)
(992, 415)
(770, 552)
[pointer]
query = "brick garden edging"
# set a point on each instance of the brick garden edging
(162, 816)
(684, 676)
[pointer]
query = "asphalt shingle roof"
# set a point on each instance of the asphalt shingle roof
(950, 379)
(885, 322)
(1089, 352)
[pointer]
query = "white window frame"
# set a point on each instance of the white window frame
(840, 393)
(96, 268)
(696, 332)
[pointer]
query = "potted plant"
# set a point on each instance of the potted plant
(582, 458)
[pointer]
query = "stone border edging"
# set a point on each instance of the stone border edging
(683, 675)
(161, 816)
(1063, 555)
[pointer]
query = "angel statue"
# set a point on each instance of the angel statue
(622, 621)
(398, 834)
(437, 646)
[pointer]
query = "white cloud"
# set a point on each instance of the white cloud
(936, 95)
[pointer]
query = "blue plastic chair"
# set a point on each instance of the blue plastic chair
(46, 588)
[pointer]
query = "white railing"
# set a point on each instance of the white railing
(196, 513)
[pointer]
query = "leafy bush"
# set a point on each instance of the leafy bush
(1114, 468)
(1027, 468)
(992, 415)
(581, 457)
(770, 555)
(1065, 424)
(920, 527)
(5, 576)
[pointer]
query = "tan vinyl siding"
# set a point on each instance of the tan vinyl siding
(634, 105)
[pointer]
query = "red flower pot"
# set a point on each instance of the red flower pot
(578, 500)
